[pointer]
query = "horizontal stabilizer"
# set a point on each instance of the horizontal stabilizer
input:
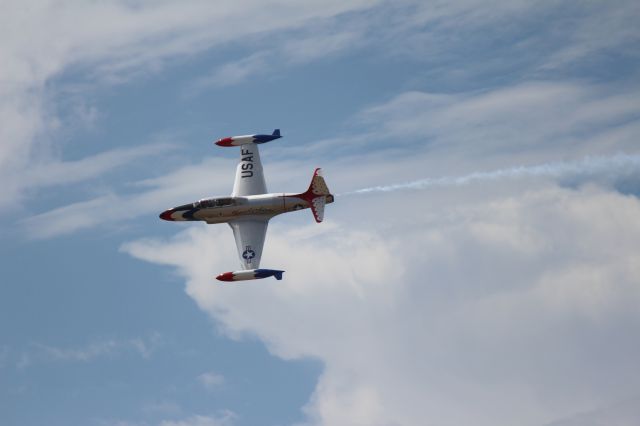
(317, 208)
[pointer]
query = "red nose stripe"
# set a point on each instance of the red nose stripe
(166, 215)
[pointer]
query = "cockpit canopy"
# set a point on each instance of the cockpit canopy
(214, 202)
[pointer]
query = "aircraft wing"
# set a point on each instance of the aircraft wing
(249, 235)
(249, 176)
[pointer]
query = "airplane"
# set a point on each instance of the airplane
(250, 207)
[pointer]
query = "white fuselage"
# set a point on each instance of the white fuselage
(225, 209)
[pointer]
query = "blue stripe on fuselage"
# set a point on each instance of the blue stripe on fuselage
(189, 214)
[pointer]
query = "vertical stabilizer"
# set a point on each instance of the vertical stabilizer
(317, 195)
(318, 186)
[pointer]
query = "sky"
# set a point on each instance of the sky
(480, 265)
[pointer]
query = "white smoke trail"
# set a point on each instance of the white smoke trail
(602, 168)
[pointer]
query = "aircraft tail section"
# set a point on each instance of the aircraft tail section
(276, 132)
(317, 195)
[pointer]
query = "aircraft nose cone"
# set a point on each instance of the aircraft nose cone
(166, 215)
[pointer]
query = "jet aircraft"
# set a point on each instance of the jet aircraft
(250, 207)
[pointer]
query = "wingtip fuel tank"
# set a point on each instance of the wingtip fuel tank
(245, 139)
(250, 274)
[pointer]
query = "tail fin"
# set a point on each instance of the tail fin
(318, 186)
(276, 132)
(318, 195)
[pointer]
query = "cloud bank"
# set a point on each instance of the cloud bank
(520, 310)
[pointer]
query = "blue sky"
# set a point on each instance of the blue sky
(481, 263)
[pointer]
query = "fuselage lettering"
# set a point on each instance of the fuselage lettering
(247, 165)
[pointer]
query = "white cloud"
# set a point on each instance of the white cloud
(545, 117)
(112, 422)
(603, 28)
(168, 409)
(233, 72)
(67, 172)
(302, 46)
(420, 135)
(511, 310)
(439, 33)
(468, 38)
(86, 353)
(212, 176)
(624, 413)
(116, 40)
(112, 41)
(164, 408)
(144, 347)
(225, 419)
(492, 135)
(121, 35)
(211, 380)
